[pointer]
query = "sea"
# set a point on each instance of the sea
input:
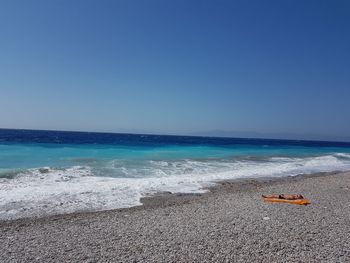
(54, 172)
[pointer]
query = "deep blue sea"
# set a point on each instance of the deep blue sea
(51, 172)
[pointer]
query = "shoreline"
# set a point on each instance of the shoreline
(167, 198)
(162, 199)
(229, 223)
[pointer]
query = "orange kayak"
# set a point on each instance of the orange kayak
(295, 202)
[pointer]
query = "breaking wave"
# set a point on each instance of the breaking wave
(102, 185)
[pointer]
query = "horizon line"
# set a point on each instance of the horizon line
(174, 135)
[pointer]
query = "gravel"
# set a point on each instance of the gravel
(230, 223)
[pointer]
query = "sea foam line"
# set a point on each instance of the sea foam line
(44, 191)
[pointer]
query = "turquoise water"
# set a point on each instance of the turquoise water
(25, 156)
(55, 172)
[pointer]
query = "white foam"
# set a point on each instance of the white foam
(344, 155)
(44, 191)
(63, 191)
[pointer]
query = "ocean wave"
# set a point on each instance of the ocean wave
(47, 190)
(342, 155)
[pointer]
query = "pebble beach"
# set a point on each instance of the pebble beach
(230, 223)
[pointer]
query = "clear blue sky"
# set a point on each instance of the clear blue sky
(184, 66)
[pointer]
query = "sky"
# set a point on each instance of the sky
(255, 68)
